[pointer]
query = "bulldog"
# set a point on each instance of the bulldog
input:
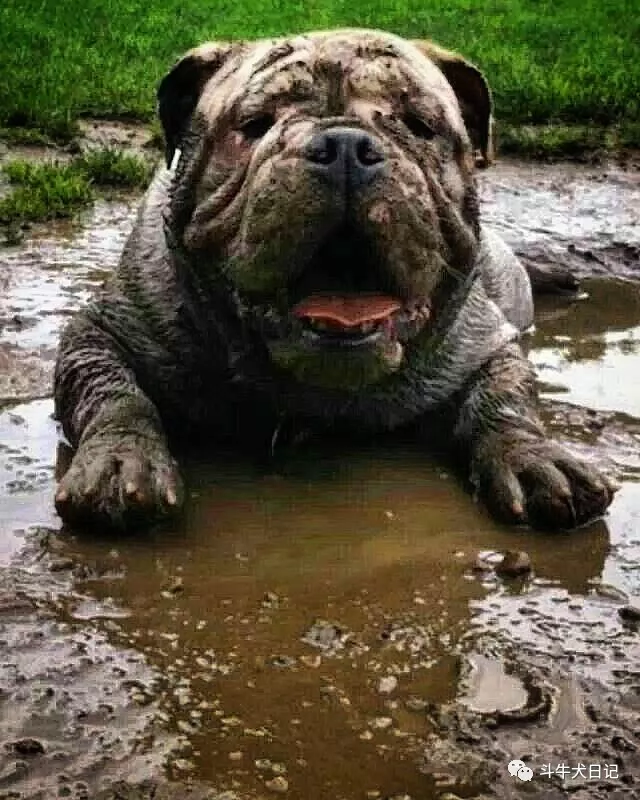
(312, 256)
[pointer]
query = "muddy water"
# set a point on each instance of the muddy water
(301, 631)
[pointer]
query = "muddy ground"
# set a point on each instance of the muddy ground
(335, 628)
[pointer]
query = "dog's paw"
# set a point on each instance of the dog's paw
(537, 481)
(120, 483)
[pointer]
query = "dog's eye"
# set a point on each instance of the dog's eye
(417, 126)
(258, 126)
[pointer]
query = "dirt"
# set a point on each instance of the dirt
(340, 627)
(131, 137)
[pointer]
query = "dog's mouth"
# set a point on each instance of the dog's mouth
(355, 320)
(346, 263)
(346, 296)
(344, 320)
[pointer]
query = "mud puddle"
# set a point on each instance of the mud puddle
(338, 629)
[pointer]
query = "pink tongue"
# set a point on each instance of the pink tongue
(347, 311)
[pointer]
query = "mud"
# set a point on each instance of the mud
(585, 219)
(340, 627)
(132, 137)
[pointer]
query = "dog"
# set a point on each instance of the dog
(312, 254)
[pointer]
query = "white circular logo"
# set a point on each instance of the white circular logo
(525, 773)
(518, 769)
(514, 766)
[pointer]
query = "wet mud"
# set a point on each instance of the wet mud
(344, 626)
(583, 219)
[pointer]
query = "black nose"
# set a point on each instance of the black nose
(345, 156)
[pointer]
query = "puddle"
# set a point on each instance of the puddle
(602, 333)
(491, 688)
(44, 281)
(299, 631)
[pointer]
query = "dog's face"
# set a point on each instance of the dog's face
(327, 181)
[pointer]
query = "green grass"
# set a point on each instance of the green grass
(571, 142)
(110, 167)
(548, 61)
(48, 191)
(43, 191)
(26, 136)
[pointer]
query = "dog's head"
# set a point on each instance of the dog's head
(327, 181)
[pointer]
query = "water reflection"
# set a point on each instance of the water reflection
(604, 329)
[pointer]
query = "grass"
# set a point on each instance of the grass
(549, 61)
(43, 191)
(571, 142)
(26, 136)
(48, 191)
(110, 167)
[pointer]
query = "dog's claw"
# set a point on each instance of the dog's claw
(518, 509)
(97, 488)
(559, 491)
(62, 496)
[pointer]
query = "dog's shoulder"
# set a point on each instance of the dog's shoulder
(505, 279)
(146, 242)
(142, 300)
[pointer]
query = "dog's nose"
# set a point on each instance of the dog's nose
(345, 155)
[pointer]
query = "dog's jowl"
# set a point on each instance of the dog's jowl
(312, 251)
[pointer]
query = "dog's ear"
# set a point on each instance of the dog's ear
(473, 93)
(180, 89)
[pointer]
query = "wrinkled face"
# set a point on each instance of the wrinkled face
(329, 178)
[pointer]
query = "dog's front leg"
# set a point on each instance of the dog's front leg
(122, 473)
(522, 475)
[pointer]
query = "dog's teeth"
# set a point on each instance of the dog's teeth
(362, 329)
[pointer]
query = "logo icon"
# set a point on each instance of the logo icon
(518, 769)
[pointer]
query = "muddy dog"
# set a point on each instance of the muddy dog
(312, 255)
